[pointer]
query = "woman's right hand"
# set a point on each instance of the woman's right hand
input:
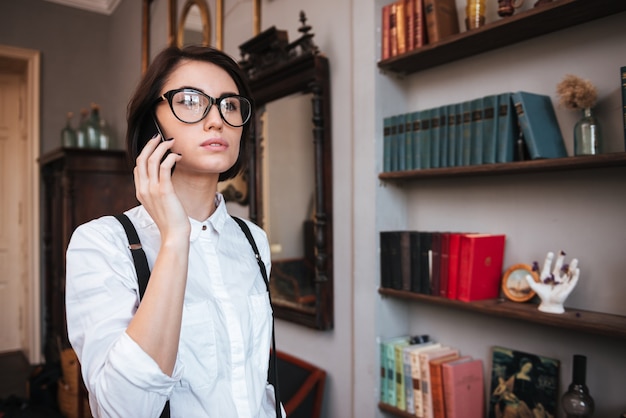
(155, 191)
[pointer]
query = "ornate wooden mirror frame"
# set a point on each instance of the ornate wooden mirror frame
(276, 69)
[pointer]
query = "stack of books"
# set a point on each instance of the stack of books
(454, 265)
(430, 380)
(483, 130)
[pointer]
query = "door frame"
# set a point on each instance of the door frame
(32, 312)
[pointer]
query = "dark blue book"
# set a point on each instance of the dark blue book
(451, 134)
(476, 141)
(408, 141)
(507, 129)
(435, 139)
(466, 132)
(539, 125)
(490, 132)
(394, 144)
(415, 139)
(443, 136)
(424, 138)
(387, 144)
(401, 142)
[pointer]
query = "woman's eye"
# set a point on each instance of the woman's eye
(229, 105)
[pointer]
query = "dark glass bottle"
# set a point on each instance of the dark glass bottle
(577, 402)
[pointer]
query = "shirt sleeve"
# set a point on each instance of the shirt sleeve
(101, 299)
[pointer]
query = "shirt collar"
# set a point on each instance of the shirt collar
(216, 221)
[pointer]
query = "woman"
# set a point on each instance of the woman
(200, 337)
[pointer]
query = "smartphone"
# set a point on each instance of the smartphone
(162, 137)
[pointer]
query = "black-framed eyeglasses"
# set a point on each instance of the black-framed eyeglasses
(191, 106)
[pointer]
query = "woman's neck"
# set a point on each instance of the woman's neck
(197, 194)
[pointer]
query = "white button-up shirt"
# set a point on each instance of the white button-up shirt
(222, 361)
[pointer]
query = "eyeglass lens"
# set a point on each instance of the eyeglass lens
(190, 106)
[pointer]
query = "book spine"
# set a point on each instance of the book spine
(393, 139)
(435, 140)
(384, 31)
(441, 19)
(425, 141)
(458, 134)
(391, 374)
(405, 257)
(489, 129)
(453, 267)
(436, 391)
(387, 144)
(408, 382)
(476, 141)
(443, 136)
(424, 272)
(415, 139)
(395, 259)
(451, 134)
(466, 138)
(444, 265)
(383, 373)
(408, 141)
(385, 260)
(435, 254)
(465, 266)
(506, 129)
(393, 29)
(409, 6)
(417, 383)
(415, 261)
(401, 24)
(420, 26)
(400, 142)
(399, 363)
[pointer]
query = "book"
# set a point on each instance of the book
(385, 261)
(415, 138)
(400, 142)
(443, 136)
(441, 19)
(437, 403)
(539, 125)
(385, 52)
(444, 265)
(393, 29)
(387, 122)
(425, 241)
(466, 132)
(393, 139)
(425, 358)
(391, 259)
(490, 132)
(476, 129)
(399, 374)
(401, 26)
(451, 135)
(408, 140)
(416, 374)
(405, 259)
(418, 342)
(410, 24)
(416, 256)
(463, 388)
(480, 266)
(458, 133)
(623, 74)
(419, 23)
(507, 128)
(388, 358)
(424, 139)
(435, 263)
(454, 244)
(435, 140)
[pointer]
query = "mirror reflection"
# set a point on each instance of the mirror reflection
(289, 197)
(194, 26)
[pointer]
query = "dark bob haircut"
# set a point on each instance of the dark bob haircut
(140, 110)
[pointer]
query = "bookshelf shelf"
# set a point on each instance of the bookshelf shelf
(616, 159)
(522, 26)
(573, 319)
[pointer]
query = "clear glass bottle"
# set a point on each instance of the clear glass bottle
(587, 135)
(577, 402)
(68, 134)
(81, 132)
(93, 127)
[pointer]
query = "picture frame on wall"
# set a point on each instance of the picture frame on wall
(523, 383)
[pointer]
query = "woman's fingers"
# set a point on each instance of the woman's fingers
(153, 169)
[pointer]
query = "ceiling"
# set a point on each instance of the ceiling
(98, 6)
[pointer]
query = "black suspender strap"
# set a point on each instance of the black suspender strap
(273, 364)
(143, 275)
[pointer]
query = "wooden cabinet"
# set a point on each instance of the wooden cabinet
(79, 185)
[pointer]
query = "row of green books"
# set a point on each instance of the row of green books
(484, 130)
(428, 379)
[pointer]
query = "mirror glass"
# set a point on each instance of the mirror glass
(289, 198)
(194, 25)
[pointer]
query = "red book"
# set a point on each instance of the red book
(419, 24)
(436, 385)
(385, 41)
(410, 24)
(480, 266)
(463, 390)
(453, 264)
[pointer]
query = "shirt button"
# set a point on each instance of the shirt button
(204, 227)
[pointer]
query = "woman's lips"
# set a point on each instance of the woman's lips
(215, 143)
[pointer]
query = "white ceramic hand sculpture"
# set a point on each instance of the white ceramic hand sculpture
(553, 288)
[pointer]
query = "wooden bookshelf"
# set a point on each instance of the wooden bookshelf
(522, 26)
(573, 319)
(616, 159)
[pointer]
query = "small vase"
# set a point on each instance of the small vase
(587, 135)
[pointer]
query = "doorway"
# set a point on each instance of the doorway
(20, 301)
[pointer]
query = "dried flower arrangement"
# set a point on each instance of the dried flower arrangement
(576, 93)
